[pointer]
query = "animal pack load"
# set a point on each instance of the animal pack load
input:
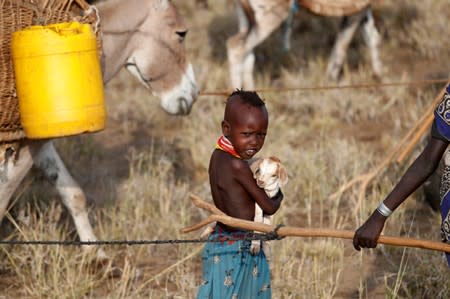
(334, 8)
(61, 25)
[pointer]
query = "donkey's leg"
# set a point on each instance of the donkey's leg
(50, 163)
(12, 172)
(235, 57)
(243, 21)
(268, 16)
(373, 40)
(235, 47)
(248, 60)
(249, 65)
(349, 25)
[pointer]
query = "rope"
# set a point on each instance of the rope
(331, 87)
(247, 237)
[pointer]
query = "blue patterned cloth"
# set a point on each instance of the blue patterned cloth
(230, 271)
(442, 115)
(442, 124)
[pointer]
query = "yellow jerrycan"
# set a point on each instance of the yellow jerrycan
(58, 80)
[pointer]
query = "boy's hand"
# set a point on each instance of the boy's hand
(367, 235)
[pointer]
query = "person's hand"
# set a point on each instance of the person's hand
(367, 235)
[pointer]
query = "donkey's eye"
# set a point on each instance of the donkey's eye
(181, 35)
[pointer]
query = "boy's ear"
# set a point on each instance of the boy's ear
(225, 128)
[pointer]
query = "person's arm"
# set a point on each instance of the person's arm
(426, 163)
(244, 176)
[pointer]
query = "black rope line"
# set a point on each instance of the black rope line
(331, 87)
(273, 235)
(247, 237)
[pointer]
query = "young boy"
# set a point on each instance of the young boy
(229, 269)
(425, 164)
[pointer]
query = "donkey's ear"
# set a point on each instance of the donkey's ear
(282, 174)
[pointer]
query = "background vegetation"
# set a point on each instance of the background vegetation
(139, 171)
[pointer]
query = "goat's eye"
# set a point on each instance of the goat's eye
(181, 35)
(257, 171)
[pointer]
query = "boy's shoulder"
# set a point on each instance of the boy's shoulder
(227, 160)
(238, 164)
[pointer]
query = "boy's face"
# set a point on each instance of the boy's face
(247, 129)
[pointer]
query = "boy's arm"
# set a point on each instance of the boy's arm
(425, 164)
(244, 176)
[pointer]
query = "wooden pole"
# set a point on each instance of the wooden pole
(427, 120)
(287, 231)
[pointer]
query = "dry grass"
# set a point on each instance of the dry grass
(139, 171)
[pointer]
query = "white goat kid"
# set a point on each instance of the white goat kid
(270, 175)
(147, 37)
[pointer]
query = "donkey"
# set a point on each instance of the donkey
(259, 18)
(146, 37)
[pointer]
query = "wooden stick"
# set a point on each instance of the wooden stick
(286, 231)
(416, 138)
(427, 120)
(200, 203)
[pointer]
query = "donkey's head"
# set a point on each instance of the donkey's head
(148, 38)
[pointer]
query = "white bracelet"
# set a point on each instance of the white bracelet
(384, 210)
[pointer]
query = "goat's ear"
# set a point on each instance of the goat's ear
(273, 158)
(282, 174)
(254, 164)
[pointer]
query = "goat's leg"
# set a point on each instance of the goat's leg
(267, 219)
(49, 161)
(347, 30)
(373, 40)
(255, 246)
(12, 171)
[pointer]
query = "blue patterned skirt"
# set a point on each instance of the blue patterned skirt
(230, 271)
(445, 208)
(442, 123)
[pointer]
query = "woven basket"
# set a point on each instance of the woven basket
(334, 8)
(16, 15)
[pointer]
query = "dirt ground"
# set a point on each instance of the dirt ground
(113, 145)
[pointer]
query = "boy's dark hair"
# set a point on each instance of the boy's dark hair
(248, 97)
